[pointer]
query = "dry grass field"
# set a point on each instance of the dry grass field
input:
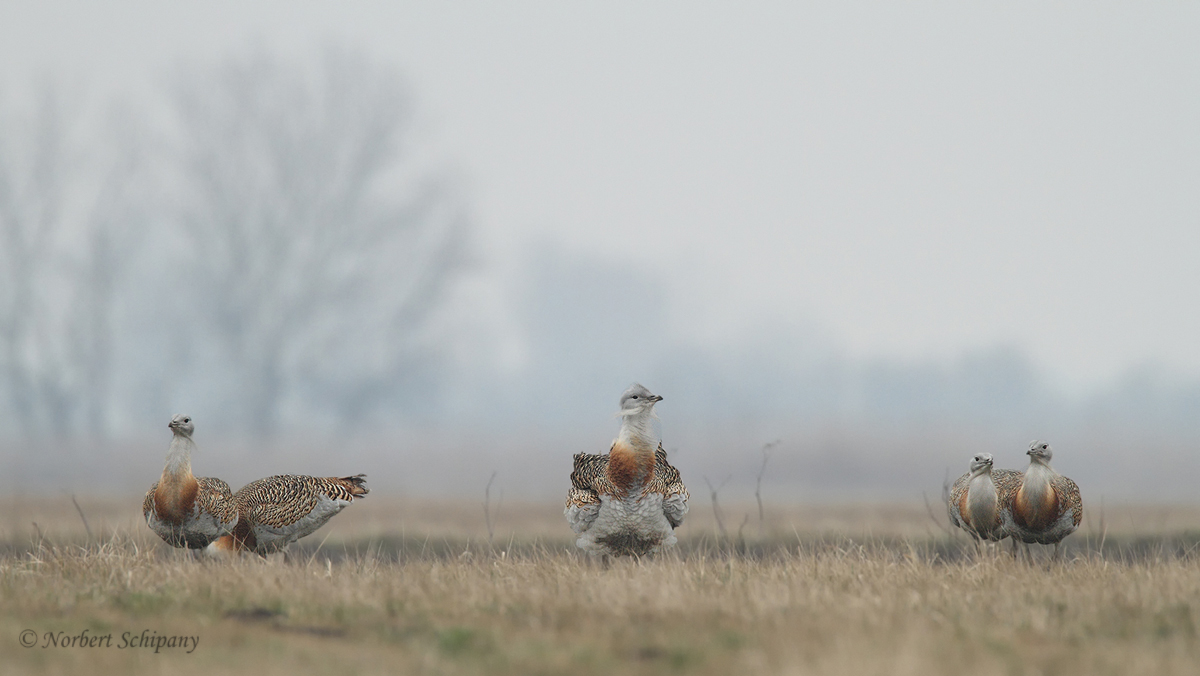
(416, 587)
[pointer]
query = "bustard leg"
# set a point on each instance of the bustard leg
(989, 550)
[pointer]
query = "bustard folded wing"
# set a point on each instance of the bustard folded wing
(588, 481)
(148, 503)
(958, 491)
(1068, 498)
(666, 481)
(215, 497)
(280, 501)
(1008, 482)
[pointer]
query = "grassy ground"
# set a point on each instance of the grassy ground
(881, 590)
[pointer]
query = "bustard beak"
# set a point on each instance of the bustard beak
(655, 398)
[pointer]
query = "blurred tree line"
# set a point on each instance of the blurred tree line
(259, 241)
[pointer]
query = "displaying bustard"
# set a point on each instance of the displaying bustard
(278, 510)
(186, 510)
(1046, 506)
(978, 498)
(630, 501)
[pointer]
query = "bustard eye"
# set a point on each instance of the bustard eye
(187, 420)
(635, 396)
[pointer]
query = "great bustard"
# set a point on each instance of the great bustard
(978, 498)
(278, 510)
(186, 510)
(1046, 506)
(630, 501)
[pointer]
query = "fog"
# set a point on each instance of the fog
(429, 244)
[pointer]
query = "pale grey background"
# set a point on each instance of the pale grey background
(891, 236)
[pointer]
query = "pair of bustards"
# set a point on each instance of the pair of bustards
(1037, 505)
(264, 516)
(627, 502)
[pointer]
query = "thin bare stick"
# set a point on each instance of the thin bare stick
(716, 505)
(487, 506)
(314, 554)
(1103, 527)
(929, 510)
(766, 454)
(81, 516)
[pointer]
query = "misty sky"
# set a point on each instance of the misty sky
(915, 181)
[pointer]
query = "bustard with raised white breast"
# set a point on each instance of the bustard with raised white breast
(629, 501)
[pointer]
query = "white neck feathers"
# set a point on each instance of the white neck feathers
(1036, 483)
(982, 501)
(179, 457)
(638, 433)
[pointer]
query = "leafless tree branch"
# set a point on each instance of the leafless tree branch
(322, 256)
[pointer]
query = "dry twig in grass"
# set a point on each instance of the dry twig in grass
(82, 517)
(487, 506)
(766, 454)
(716, 505)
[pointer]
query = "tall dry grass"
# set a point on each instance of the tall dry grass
(373, 599)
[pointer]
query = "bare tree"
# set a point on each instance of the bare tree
(32, 168)
(320, 256)
(61, 253)
(118, 214)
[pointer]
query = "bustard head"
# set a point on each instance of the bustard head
(182, 425)
(981, 463)
(637, 400)
(1039, 451)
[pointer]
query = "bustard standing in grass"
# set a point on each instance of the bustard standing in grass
(978, 498)
(278, 510)
(630, 501)
(1046, 506)
(186, 510)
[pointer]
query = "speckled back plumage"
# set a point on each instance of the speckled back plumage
(1007, 481)
(213, 513)
(281, 509)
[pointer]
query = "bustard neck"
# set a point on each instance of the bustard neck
(179, 458)
(982, 500)
(1036, 483)
(637, 432)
